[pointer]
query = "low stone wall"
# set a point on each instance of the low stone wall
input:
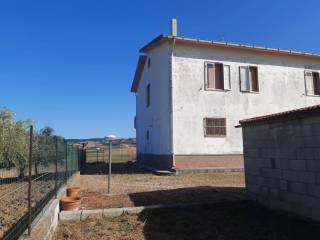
(282, 165)
(45, 224)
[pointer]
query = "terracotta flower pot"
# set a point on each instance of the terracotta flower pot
(73, 191)
(70, 203)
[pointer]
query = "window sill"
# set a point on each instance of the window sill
(210, 136)
(309, 95)
(217, 90)
(250, 92)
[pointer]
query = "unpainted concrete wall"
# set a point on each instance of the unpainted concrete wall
(282, 165)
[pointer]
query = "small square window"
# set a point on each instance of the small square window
(215, 127)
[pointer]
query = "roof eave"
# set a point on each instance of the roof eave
(161, 38)
(138, 74)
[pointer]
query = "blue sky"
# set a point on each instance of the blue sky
(69, 63)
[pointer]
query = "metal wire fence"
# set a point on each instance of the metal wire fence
(120, 154)
(25, 188)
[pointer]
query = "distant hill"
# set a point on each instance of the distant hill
(131, 141)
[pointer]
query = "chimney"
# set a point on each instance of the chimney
(174, 27)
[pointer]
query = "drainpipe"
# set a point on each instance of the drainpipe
(171, 100)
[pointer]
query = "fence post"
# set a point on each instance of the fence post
(66, 175)
(29, 181)
(56, 171)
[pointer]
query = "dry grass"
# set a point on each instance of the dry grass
(118, 154)
(236, 220)
(227, 216)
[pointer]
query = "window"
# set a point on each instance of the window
(249, 81)
(148, 95)
(148, 135)
(217, 76)
(149, 62)
(312, 81)
(135, 122)
(215, 127)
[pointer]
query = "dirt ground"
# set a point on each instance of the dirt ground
(228, 215)
(228, 220)
(137, 189)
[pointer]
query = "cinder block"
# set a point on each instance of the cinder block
(283, 185)
(254, 162)
(313, 141)
(270, 182)
(305, 153)
(290, 175)
(271, 173)
(282, 163)
(254, 188)
(291, 197)
(254, 179)
(299, 176)
(274, 193)
(306, 177)
(269, 153)
(318, 179)
(314, 190)
(288, 152)
(252, 170)
(299, 165)
(315, 129)
(305, 131)
(313, 165)
(264, 191)
(316, 153)
(297, 187)
(251, 152)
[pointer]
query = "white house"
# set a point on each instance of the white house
(191, 93)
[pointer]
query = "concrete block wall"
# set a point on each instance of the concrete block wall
(282, 165)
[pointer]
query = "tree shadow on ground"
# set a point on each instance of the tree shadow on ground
(228, 216)
(99, 168)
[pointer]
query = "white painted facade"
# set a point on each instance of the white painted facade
(182, 74)
(156, 117)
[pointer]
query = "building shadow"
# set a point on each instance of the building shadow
(201, 194)
(100, 168)
(227, 215)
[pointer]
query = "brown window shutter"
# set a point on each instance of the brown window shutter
(316, 83)
(253, 73)
(219, 76)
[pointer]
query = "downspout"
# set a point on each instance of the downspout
(171, 100)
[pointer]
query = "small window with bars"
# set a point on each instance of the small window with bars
(215, 127)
